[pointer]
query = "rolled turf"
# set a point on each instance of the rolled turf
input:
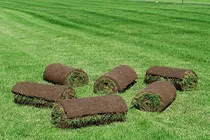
(40, 95)
(156, 97)
(183, 79)
(60, 74)
(117, 80)
(82, 112)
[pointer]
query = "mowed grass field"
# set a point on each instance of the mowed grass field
(179, 1)
(97, 35)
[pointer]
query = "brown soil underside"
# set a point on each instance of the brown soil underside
(94, 105)
(44, 91)
(122, 75)
(58, 73)
(165, 90)
(177, 73)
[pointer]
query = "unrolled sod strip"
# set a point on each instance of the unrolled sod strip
(40, 95)
(60, 74)
(183, 79)
(117, 80)
(82, 112)
(156, 97)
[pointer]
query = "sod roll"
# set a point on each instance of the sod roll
(156, 97)
(60, 74)
(117, 80)
(82, 112)
(182, 79)
(40, 95)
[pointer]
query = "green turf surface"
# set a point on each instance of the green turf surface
(97, 35)
(207, 2)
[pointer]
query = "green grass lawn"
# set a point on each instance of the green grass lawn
(179, 1)
(97, 35)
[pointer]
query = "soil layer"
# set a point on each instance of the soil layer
(32, 93)
(89, 111)
(117, 80)
(182, 79)
(60, 74)
(155, 97)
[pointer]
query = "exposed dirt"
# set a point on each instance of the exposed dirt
(43, 91)
(168, 72)
(165, 90)
(93, 105)
(123, 76)
(59, 119)
(182, 79)
(58, 74)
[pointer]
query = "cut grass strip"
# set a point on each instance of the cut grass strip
(117, 80)
(105, 85)
(156, 97)
(60, 74)
(40, 95)
(182, 79)
(59, 119)
(33, 101)
(77, 78)
(78, 113)
(147, 102)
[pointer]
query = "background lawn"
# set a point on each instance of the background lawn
(179, 1)
(97, 35)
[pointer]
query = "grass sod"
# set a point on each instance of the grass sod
(34, 101)
(68, 94)
(36, 33)
(147, 102)
(77, 78)
(105, 85)
(59, 119)
(57, 116)
(39, 102)
(189, 82)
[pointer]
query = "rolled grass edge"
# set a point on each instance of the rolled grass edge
(189, 81)
(147, 102)
(33, 101)
(40, 102)
(105, 85)
(77, 78)
(59, 119)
